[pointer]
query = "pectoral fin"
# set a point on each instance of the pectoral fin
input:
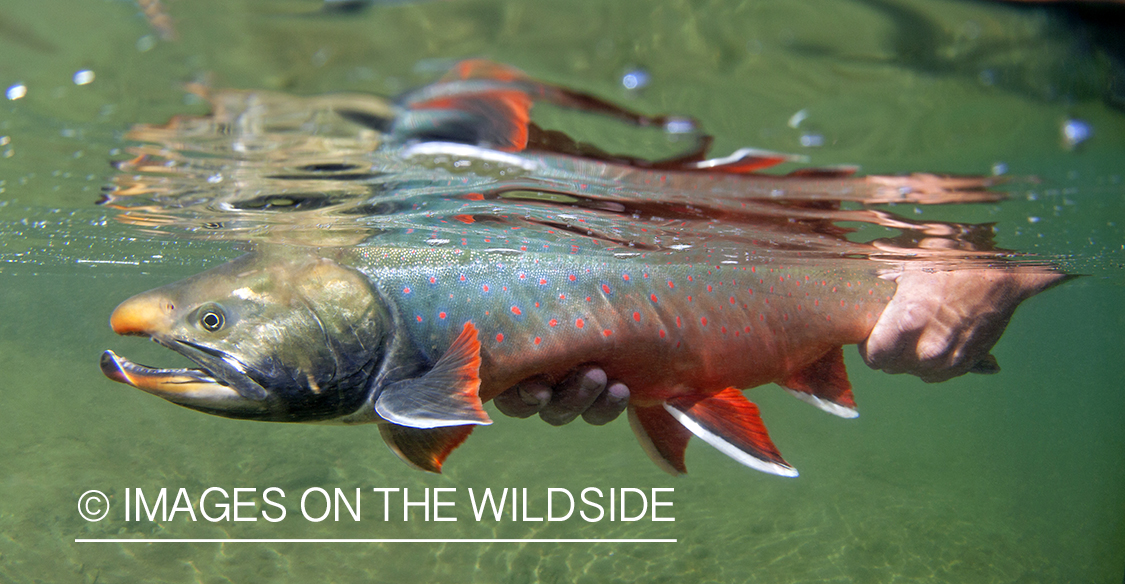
(824, 384)
(446, 395)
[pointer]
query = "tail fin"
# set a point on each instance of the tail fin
(725, 420)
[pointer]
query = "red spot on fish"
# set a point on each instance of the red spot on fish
(553, 322)
(523, 276)
(484, 287)
(678, 323)
(537, 340)
(607, 332)
(418, 318)
(670, 284)
(466, 219)
(462, 277)
(588, 299)
(732, 299)
(516, 310)
(474, 197)
(843, 303)
(499, 337)
(637, 316)
(708, 287)
(579, 323)
(406, 290)
(562, 296)
(605, 288)
(442, 315)
(653, 297)
(690, 279)
(536, 305)
(724, 330)
(625, 277)
(572, 277)
(662, 333)
(703, 320)
(433, 280)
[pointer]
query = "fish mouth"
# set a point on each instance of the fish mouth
(221, 383)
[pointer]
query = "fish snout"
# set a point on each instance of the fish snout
(143, 315)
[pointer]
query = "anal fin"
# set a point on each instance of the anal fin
(824, 384)
(730, 423)
(424, 449)
(446, 395)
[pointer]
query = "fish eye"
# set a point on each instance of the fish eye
(212, 319)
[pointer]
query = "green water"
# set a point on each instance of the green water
(1018, 477)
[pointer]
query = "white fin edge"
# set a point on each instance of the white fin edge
(729, 449)
(832, 408)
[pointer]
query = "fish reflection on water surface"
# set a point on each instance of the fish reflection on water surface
(415, 259)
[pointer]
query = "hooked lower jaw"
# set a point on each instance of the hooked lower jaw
(187, 387)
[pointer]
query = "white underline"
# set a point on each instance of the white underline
(169, 540)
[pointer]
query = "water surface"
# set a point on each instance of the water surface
(1015, 477)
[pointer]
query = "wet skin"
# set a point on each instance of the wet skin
(939, 325)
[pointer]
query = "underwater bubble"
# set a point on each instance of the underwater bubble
(635, 79)
(146, 43)
(679, 126)
(809, 140)
(83, 77)
(796, 119)
(999, 168)
(16, 91)
(1075, 132)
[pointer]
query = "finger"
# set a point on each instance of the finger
(523, 400)
(608, 406)
(574, 396)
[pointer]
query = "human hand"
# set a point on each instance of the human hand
(586, 392)
(942, 323)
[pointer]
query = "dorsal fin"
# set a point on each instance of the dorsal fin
(424, 449)
(744, 161)
(824, 384)
(496, 118)
(825, 172)
(482, 69)
(446, 395)
(730, 423)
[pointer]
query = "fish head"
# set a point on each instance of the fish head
(285, 335)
